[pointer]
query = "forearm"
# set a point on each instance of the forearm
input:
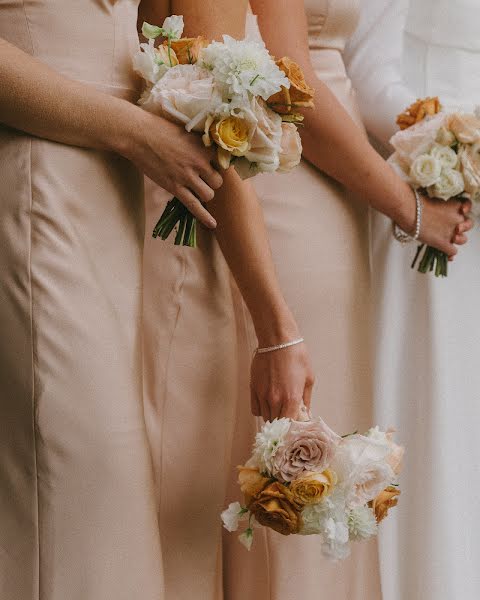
(40, 101)
(243, 239)
(332, 142)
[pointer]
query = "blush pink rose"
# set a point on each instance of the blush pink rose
(291, 148)
(308, 446)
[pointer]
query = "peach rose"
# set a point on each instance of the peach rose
(187, 50)
(252, 482)
(291, 148)
(465, 127)
(300, 94)
(470, 163)
(276, 508)
(384, 501)
(418, 111)
(312, 487)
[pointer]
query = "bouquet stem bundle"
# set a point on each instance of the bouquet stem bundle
(433, 260)
(176, 215)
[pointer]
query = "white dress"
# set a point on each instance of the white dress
(428, 330)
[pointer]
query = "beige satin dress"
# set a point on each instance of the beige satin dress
(77, 511)
(319, 237)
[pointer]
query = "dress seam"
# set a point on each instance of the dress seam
(27, 23)
(33, 389)
(166, 387)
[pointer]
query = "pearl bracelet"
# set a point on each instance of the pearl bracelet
(279, 346)
(405, 238)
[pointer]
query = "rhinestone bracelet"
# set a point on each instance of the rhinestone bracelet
(279, 346)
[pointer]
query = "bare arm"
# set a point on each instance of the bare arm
(334, 143)
(40, 101)
(280, 380)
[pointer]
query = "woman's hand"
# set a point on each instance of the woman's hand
(444, 224)
(174, 159)
(281, 383)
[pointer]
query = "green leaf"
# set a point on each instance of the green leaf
(151, 31)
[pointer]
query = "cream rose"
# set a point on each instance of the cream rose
(447, 157)
(184, 95)
(291, 148)
(445, 137)
(425, 170)
(470, 164)
(308, 446)
(449, 185)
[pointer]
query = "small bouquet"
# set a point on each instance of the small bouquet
(438, 153)
(303, 478)
(234, 93)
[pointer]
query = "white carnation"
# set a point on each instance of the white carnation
(449, 185)
(446, 156)
(267, 442)
(242, 67)
(425, 170)
(362, 523)
(173, 27)
(233, 515)
(336, 540)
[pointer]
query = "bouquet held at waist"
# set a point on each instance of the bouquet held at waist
(438, 153)
(234, 94)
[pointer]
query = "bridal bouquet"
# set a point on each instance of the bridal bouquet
(303, 478)
(438, 153)
(233, 93)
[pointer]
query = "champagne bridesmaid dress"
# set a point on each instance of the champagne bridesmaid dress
(77, 514)
(319, 237)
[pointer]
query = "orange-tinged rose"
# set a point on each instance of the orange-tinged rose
(384, 501)
(299, 95)
(188, 49)
(166, 57)
(275, 507)
(465, 127)
(312, 487)
(252, 482)
(418, 111)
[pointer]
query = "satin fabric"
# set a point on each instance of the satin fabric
(319, 238)
(427, 334)
(77, 510)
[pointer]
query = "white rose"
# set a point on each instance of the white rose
(470, 162)
(173, 27)
(447, 157)
(185, 95)
(425, 170)
(265, 145)
(449, 185)
(361, 464)
(291, 148)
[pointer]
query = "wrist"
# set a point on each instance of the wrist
(406, 214)
(276, 326)
(124, 136)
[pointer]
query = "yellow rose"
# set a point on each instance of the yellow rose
(384, 501)
(275, 507)
(418, 111)
(231, 134)
(188, 50)
(252, 482)
(299, 95)
(168, 58)
(312, 487)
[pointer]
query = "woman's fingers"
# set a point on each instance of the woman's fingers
(190, 201)
(466, 207)
(465, 226)
(460, 239)
(201, 190)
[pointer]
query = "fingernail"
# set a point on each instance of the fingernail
(212, 224)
